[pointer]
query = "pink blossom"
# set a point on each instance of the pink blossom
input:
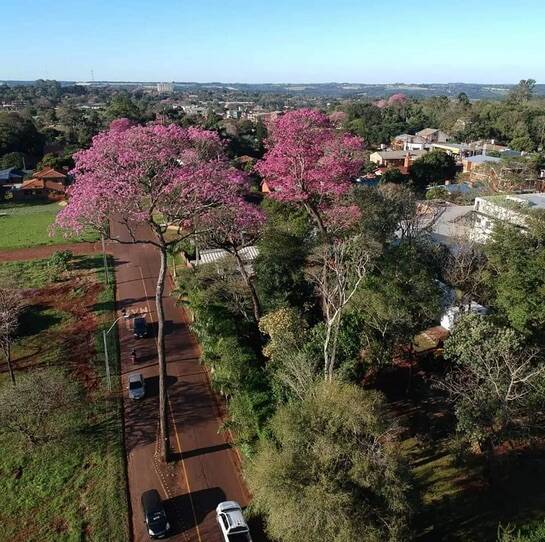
(307, 159)
(137, 172)
(397, 99)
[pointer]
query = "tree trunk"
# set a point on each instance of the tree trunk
(163, 398)
(248, 281)
(8, 361)
(315, 215)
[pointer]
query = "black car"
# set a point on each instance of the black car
(140, 327)
(154, 514)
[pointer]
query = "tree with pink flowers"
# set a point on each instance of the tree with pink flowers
(309, 162)
(151, 179)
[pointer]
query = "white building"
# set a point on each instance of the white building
(453, 314)
(512, 208)
(166, 88)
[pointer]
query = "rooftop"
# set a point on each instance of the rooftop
(398, 155)
(482, 158)
(524, 203)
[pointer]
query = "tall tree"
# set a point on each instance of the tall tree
(497, 384)
(161, 176)
(309, 162)
(329, 470)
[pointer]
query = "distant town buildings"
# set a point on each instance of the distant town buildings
(165, 88)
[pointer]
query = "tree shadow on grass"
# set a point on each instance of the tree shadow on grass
(38, 318)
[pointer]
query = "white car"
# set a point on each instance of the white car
(232, 522)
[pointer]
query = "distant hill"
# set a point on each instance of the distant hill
(333, 90)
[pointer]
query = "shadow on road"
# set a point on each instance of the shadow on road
(183, 510)
(201, 451)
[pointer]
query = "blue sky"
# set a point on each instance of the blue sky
(274, 41)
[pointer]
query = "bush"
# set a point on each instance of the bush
(59, 263)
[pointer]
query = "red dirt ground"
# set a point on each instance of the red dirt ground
(76, 338)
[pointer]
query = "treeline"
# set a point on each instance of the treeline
(343, 286)
(517, 121)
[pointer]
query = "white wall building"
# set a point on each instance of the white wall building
(512, 208)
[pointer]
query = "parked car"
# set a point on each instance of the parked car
(154, 514)
(137, 386)
(140, 327)
(232, 523)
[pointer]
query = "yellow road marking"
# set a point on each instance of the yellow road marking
(185, 472)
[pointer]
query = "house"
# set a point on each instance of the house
(408, 142)
(42, 189)
(433, 135)
(458, 150)
(471, 162)
(400, 159)
(514, 209)
(50, 174)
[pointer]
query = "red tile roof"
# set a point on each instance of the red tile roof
(49, 173)
(43, 184)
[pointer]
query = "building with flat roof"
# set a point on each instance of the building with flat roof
(514, 209)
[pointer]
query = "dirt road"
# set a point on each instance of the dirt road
(206, 471)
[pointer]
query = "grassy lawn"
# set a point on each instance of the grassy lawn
(72, 488)
(27, 225)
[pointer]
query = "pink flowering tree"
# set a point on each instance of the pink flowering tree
(309, 162)
(234, 228)
(136, 183)
(397, 99)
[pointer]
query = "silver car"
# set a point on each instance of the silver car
(137, 386)
(232, 523)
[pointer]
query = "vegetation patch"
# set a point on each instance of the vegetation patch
(69, 483)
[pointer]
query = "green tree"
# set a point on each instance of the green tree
(329, 470)
(515, 265)
(497, 384)
(523, 91)
(19, 134)
(12, 159)
(434, 167)
(121, 106)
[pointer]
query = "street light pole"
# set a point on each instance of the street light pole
(106, 355)
(107, 361)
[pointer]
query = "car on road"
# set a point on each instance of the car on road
(232, 523)
(140, 327)
(137, 386)
(154, 514)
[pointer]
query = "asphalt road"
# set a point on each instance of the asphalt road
(206, 470)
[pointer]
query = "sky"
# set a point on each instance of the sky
(276, 41)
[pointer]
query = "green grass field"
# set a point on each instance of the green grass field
(71, 488)
(28, 225)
